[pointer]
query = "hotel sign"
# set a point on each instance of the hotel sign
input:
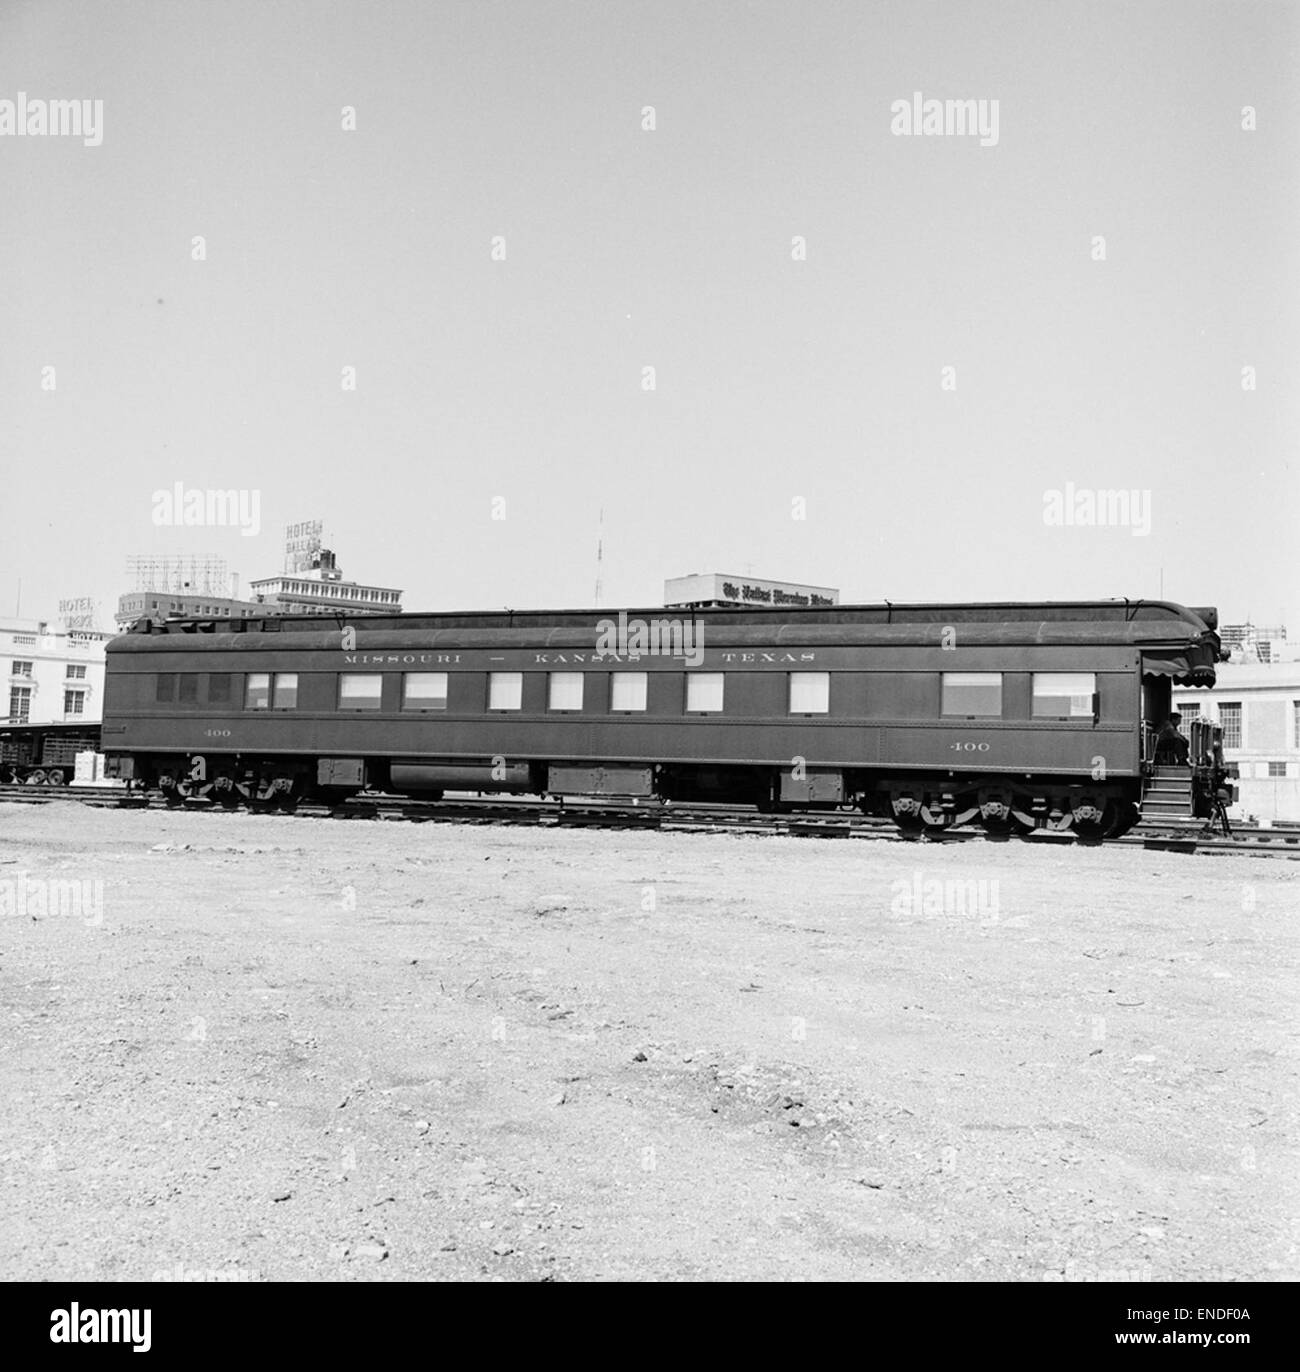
(81, 612)
(302, 544)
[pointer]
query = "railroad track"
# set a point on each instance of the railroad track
(1183, 836)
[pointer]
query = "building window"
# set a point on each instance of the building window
(22, 669)
(424, 691)
(257, 691)
(76, 671)
(74, 702)
(1230, 718)
(565, 691)
(972, 694)
(627, 691)
(704, 692)
(810, 693)
(165, 687)
(505, 690)
(360, 690)
(219, 688)
(1063, 695)
(29, 639)
(20, 704)
(1277, 769)
(1190, 713)
(285, 694)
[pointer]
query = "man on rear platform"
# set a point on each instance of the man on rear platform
(1171, 746)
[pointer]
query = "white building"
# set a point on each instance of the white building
(53, 675)
(706, 590)
(322, 590)
(1258, 705)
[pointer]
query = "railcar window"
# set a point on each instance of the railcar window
(219, 688)
(1064, 695)
(565, 691)
(972, 694)
(505, 690)
(285, 696)
(187, 687)
(257, 691)
(628, 691)
(360, 690)
(424, 691)
(165, 687)
(704, 692)
(810, 693)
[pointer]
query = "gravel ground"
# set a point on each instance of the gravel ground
(292, 1049)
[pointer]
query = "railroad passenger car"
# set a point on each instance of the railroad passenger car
(44, 754)
(1020, 716)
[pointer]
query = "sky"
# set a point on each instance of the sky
(876, 354)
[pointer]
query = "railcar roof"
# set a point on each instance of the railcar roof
(887, 613)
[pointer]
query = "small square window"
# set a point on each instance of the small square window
(258, 691)
(810, 693)
(360, 690)
(165, 687)
(1064, 695)
(505, 690)
(219, 688)
(187, 691)
(424, 691)
(286, 691)
(627, 691)
(972, 694)
(704, 692)
(565, 691)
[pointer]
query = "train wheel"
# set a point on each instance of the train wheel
(36, 778)
(1092, 826)
(1129, 815)
(55, 777)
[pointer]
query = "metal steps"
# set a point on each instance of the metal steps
(1168, 794)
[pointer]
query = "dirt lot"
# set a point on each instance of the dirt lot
(267, 1047)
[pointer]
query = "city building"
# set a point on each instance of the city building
(1258, 705)
(713, 590)
(158, 605)
(184, 588)
(53, 675)
(1254, 643)
(321, 589)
